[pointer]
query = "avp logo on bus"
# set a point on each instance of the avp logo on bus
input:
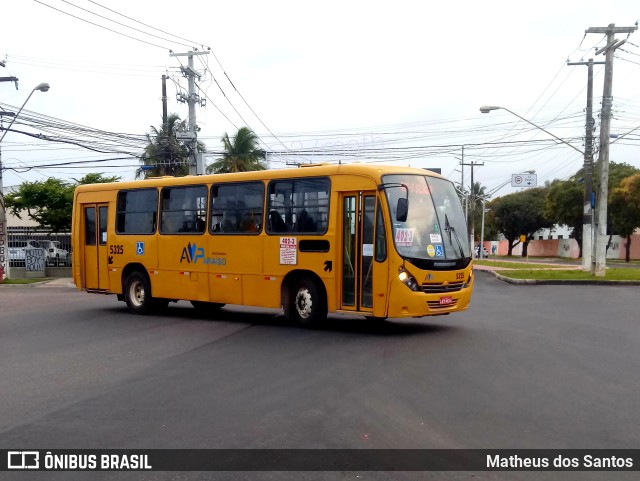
(192, 254)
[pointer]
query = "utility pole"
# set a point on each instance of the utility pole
(587, 219)
(192, 99)
(4, 235)
(603, 154)
(466, 197)
(165, 126)
(165, 117)
(472, 202)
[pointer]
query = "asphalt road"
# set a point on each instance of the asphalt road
(524, 367)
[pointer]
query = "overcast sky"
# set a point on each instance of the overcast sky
(397, 82)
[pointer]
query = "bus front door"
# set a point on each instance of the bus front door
(95, 255)
(358, 268)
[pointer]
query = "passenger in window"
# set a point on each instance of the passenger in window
(276, 223)
(228, 226)
(305, 222)
(248, 223)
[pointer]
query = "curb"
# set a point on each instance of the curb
(47, 283)
(558, 282)
(23, 286)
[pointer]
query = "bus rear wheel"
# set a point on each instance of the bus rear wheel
(306, 304)
(137, 293)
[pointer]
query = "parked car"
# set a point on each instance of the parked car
(16, 253)
(53, 252)
(485, 252)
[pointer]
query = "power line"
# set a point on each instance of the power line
(101, 26)
(191, 42)
(122, 24)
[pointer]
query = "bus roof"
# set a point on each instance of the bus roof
(314, 170)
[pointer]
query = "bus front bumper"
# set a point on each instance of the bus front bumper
(406, 303)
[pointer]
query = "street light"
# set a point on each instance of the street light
(43, 87)
(587, 226)
(485, 109)
(4, 244)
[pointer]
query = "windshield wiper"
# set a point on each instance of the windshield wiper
(450, 230)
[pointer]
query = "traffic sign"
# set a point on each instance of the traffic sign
(524, 180)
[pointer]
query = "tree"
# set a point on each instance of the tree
(50, 202)
(617, 172)
(564, 205)
(242, 154)
(624, 203)
(520, 213)
(475, 207)
(565, 199)
(164, 154)
(97, 179)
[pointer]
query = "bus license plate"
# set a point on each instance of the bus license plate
(446, 300)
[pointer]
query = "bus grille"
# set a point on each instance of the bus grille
(441, 288)
(434, 305)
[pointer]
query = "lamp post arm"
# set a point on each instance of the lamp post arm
(16, 116)
(544, 130)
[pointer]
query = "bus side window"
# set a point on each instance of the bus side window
(183, 209)
(237, 208)
(302, 204)
(136, 212)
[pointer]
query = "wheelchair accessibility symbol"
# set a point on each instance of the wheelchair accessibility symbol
(139, 248)
(439, 251)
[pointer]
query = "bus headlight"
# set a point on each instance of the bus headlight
(407, 279)
(468, 283)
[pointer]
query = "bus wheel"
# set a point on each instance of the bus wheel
(137, 293)
(307, 305)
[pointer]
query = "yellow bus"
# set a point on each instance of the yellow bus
(377, 241)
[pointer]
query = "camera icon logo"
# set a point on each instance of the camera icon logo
(23, 460)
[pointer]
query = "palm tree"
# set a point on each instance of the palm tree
(478, 191)
(164, 154)
(241, 154)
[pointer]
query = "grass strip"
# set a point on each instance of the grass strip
(26, 281)
(612, 274)
(517, 265)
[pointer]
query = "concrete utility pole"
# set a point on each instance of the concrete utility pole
(4, 238)
(587, 220)
(165, 123)
(472, 200)
(466, 197)
(603, 154)
(192, 99)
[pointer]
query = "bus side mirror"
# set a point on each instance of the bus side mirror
(402, 208)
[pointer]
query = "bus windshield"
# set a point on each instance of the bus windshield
(435, 227)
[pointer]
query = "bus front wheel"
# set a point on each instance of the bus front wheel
(306, 304)
(137, 293)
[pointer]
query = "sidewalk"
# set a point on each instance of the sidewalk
(59, 282)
